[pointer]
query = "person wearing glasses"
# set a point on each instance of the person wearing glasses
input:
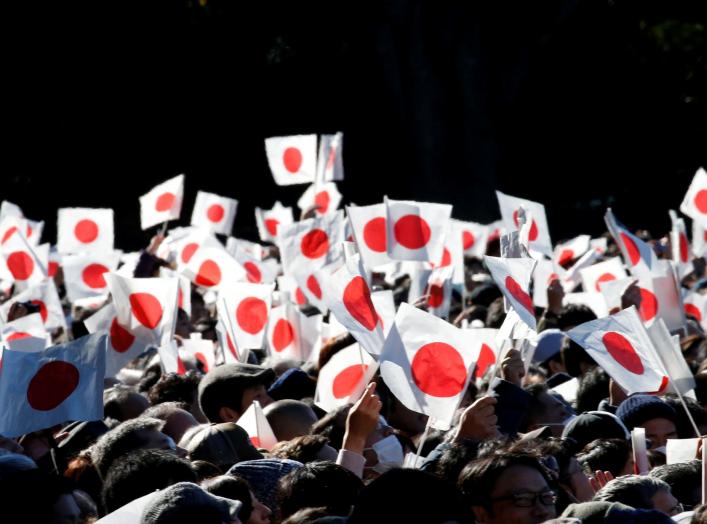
(508, 488)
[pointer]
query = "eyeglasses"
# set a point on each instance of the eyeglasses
(528, 500)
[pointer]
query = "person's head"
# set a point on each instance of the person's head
(235, 488)
(593, 388)
(587, 427)
(545, 409)
(226, 392)
(508, 488)
(453, 459)
(684, 479)
(318, 484)
(573, 315)
(186, 503)
(613, 455)
(263, 476)
(407, 495)
(122, 403)
(12, 463)
(176, 418)
(548, 352)
(575, 358)
(570, 475)
(141, 472)
(682, 422)
(178, 388)
(290, 418)
(640, 492)
(221, 444)
(651, 413)
(308, 448)
(294, 383)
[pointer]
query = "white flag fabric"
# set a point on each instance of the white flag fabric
(257, 427)
(45, 296)
(512, 276)
(384, 303)
(416, 230)
(539, 233)
(213, 268)
(291, 334)
(695, 305)
(325, 197)
(622, 347)
(368, 224)
(292, 159)
(32, 231)
(181, 245)
(231, 353)
(84, 274)
(309, 245)
(606, 271)
(269, 221)
(668, 351)
(214, 212)
(427, 363)
(162, 203)
(473, 237)
(638, 255)
(699, 239)
(439, 291)
(572, 249)
(82, 229)
(572, 277)
(330, 163)
(8, 209)
(344, 377)
(660, 297)
(42, 389)
(201, 349)
(485, 339)
(679, 244)
(244, 310)
(26, 334)
(25, 263)
(453, 255)
(694, 203)
(146, 306)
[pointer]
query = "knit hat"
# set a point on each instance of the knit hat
(170, 504)
(592, 425)
(222, 444)
(263, 476)
(638, 409)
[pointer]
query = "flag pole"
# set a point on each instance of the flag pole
(423, 439)
(687, 411)
(163, 229)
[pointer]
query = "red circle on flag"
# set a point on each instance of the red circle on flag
(253, 272)
(252, 315)
(18, 335)
(322, 200)
(53, 268)
(649, 305)
(357, 301)
(231, 346)
(519, 294)
(438, 370)
(147, 309)
(300, 298)
(701, 201)
(215, 213)
(282, 335)
(436, 295)
(20, 265)
(346, 381)
(684, 248)
(604, 277)
(164, 202)
(313, 286)
(52, 384)
(330, 160)
(446, 258)
(8, 234)
(271, 225)
(188, 251)
(120, 338)
(180, 298)
(42, 309)
(292, 159)
(375, 235)
(486, 358)
(315, 244)
(694, 311)
(209, 274)
(634, 254)
(533, 235)
(202, 358)
(92, 276)
(412, 232)
(622, 352)
(552, 278)
(86, 231)
(565, 256)
(468, 240)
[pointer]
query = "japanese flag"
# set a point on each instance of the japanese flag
(485, 339)
(10, 225)
(257, 427)
(25, 263)
(54, 263)
(184, 293)
(292, 159)
(244, 310)
(180, 246)
(539, 234)
(694, 204)
(439, 291)
(42, 389)
(84, 274)
(368, 224)
(344, 377)
(571, 250)
(638, 255)
(162, 203)
(384, 304)
(82, 229)
(330, 163)
(201, 349)
(679, 244)
(660, 297)
(622, 347)
(26, 334)
(699, 239)
(214, 212)
(239, 246)
(416, 230)
(213, 268)
(309, 286)
(123, 345)
(309, 245)
(668, 351)
(325, 198)
(512, 276)
(427, 363)
(230, 352)
(257, 271)
(613, 291)
(453, 255)
(46, 297)
(8, 209)
(546, 271)
(473, 237)
(695, 305)
(572, 277)
(348, 297)
(270, 220)
(594, 275)
(291, 334)
(147, 307)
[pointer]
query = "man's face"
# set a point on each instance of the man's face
(513, 489)
(664, 501)
(659, 430)
(252, 393)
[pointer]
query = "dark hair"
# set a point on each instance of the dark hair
(573, 315)
(453, 459)
(318, 484)
(114, 400)
(307, 516)
(682, 422)
(175, 388)
(636, 491)
(535, 409)
(234, 488)
(333, 425)
(573, 356)
(684, 479)
(141, 472)
(205, 469)
(495, 314)
(605, 455)
(303, 449)
(593, 388)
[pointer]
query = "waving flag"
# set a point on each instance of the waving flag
(330, 163)
(26, 334)
(46, 297)
(257, 427)
(439, 291)
(244, 310)
(344, 377)
(214, 212)
(292, 159)
(84, 275)
(473, 237)
(309, 245)
(269, 221)
(679, 244)
(606, 271)
(368, 224)
(695, 305)
(539, 234)
(162, 203)
(512, 276)
(416, 230)
(324, 196)
(571, 250)
(213, 268)
(694, 203)
(83, 229)
(24, 262)
(201, 349)
(638, 255)
(291, 334)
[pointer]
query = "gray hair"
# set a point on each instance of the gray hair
(633, 490)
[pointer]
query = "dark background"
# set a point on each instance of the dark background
(577, 104)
